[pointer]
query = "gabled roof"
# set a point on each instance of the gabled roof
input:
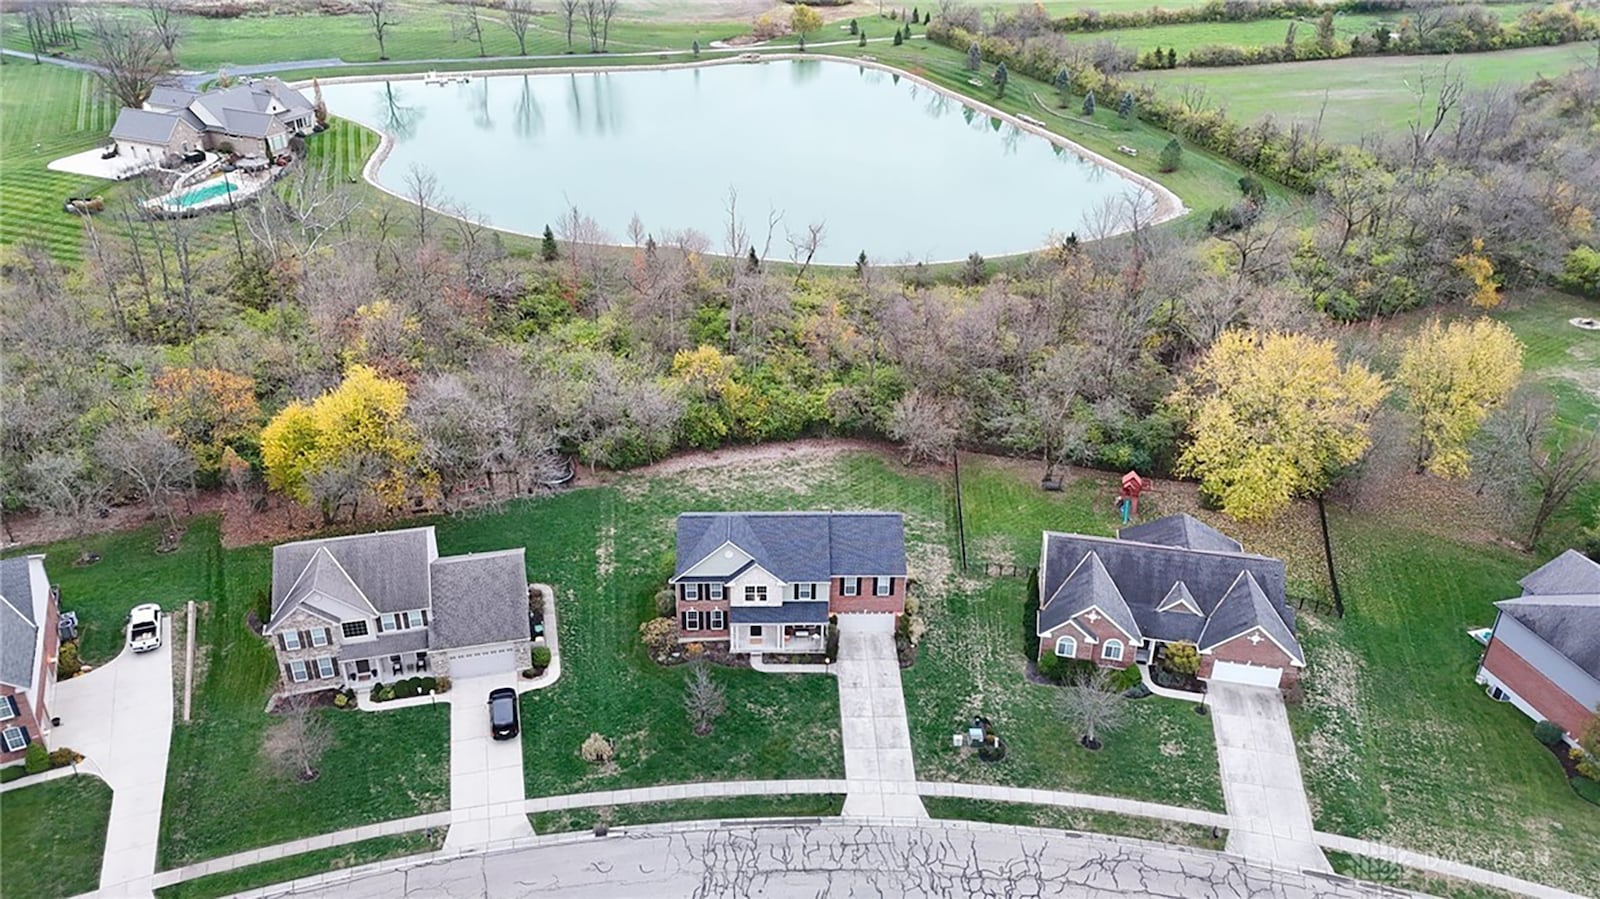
(245, 123)
(1179, 600)
(322, 586)
(798, 547)
(1089, 586)
(1244, 608)
(1569, 574)
(1181, 530)
(144, 126)
(390, 568)
(166, 96)
(479, 598)
(19, 631)
(1570, 624)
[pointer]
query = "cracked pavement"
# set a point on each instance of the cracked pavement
(837, 859)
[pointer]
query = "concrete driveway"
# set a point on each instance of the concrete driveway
(486, 784)
(1261, 778)
(872, 712)
(120, 716)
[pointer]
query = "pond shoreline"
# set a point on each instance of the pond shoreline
(1168, 205)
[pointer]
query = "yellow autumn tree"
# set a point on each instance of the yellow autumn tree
(1453, 377)
(804, 20)
(708, 379)
(1273, 417)
(1477, 266)
(352, 440)
(206, 410)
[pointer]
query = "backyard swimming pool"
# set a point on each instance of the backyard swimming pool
(893, 168)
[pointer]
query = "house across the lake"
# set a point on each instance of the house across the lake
(767, 581)
(376, 607)
(29, 646)
(1544, 652)
(1116, 602)
(253, 118)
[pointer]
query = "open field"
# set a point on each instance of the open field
(820, 805)
(304, 865)
(51, 835)
(1356, 97)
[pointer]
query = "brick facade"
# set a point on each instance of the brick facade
(1539, 691)
(1102, 630)
(1241, 650)
(26, 718)
(868, 601)
(33, 705)
(704, 607)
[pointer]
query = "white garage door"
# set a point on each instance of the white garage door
(480, 662)
(1254, 675)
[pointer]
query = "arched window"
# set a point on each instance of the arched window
(1111, 651)
(1067, 648)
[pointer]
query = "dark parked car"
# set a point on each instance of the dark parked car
(503, 713)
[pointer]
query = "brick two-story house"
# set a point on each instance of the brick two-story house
(29, 646)
(374, 607)
(1172, 580)
(1544, 652)
(767, 581)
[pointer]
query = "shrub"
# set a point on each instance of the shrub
(427, 684)
(37, 759)
(659, 635)
(694, 650)
(541, 657)
(1127, 678)
(1548, 732)
(441, 685)
(1581, 272)
(68, 663)
(666, 603)
(62, 756)
(597, 750)
(1183, 658)
(832, 640)
(340, 701)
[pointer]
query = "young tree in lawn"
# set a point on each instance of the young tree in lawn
(695, 48)
(1088, 104)
(129, 58)
(974, 57)
(855, 28)
(804, 20)
(569, 12)
(1171, 156)
(378, 13)
(1000, 79)
(1125, 105)
(1063, 84)
(296, 741)
(467, 23)
(898, 39)
(1453, 377)
(703, 699)
(861, 40)
(591, 22)
(608, 10)
(519, 18)
(1093, 705)
(1273, 417)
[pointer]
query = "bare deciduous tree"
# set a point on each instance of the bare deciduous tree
(64, 484)
(1527, 453)
(148, 463)
(422, 189)
(468, 23)
(168, 29)
(927, 425)
(518, 17)
(130, 59)
(803, 246)
(703, 699)
(378, 13)
(1093, 704)
(569, 14)
(296, 741)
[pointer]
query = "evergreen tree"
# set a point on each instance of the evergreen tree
(1172, 57)
(861, 263)
(862, 40)
(1063, 84)
(1000, 78)
(927, 17)
(974, 57)
(696, 48)
(1125, 107)
(854, 28)
(1088, 104)
(915, 15)
(802, 43)
(899, 37)
(1171, 156)
(753, 264)
(547, 246)
(908, 32)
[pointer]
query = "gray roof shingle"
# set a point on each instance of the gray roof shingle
(479, 598)
(1570, 624)
(144, 126)
(386, 645)
(798, 547)
(1089, 585)
(1243, 608)
(1568, 574)
(1183, 530)
(18, 631)
(168, 96)
(389, 567)
(788, 613)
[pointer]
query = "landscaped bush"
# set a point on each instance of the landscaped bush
(1127, 678)
(67, 662)
(1182, 658)
(62, 756)
(1548, 732)
(666, 602)
(541, 657)
(37, 759)
(597, 750)
(1063, 670)
(1581, 272)
(660, 636)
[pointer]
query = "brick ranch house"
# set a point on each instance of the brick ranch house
(29, 646)
(348, 611)
(255, 118)
(1115, 602)
(1544, 652)
(767, 581)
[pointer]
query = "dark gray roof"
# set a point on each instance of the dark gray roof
(170, 97)
(1243, 608)
(799, 546)
(1183, 530)
(144, 126)
(390, 567)
(1568, 574)
(1570, 624)
(1145, 574)
(18, 631)
(386, 645)
(245, 123)
(1089, 585)
(479, 598)
(16, 585)
(804, 612)
(322, 577)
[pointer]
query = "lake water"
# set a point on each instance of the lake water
(890, 167)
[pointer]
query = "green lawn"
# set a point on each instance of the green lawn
(51, 836)
(304, 865)
(343, 149)
(1565, 358)
(1083, 820)
(1375, 870)
(1354, 97)
(818, 805)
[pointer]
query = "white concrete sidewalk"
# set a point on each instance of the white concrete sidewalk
(120, 717)
(486, 784)
(872, 712)
(1261, 778)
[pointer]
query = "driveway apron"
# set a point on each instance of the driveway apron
(872, 711)
(120, 717)
(486, 783)
(1261, 778)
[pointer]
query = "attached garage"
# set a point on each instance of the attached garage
(1251, 675)
(482, 662)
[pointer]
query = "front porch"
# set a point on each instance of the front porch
(385, 667)
(779, 638)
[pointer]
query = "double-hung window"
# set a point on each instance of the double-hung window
(414, 619)
(852, 586)
(298, 672)
(387, 623)
(805, 591)
(320, 636)
(691, 591)
(716, 591)
(291, 640)
(755, 593)
(718, 620)
(324, 667)
(16, 738)
(354, 628)
(8, 708)
(691, 620)
(882, 586)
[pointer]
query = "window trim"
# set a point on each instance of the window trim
(805, 591)
(851, 586)
(691, 592)
(883, 586)
(304, 673)
(420, 620)
(716, 591)
(324, 633)
(361, 624)
(333, 670)
(690, 620)
(291, 640)
(1105, 650)
(389, 621)
(9, 708)
(719, 620)
(21, 732)
(1067, 638)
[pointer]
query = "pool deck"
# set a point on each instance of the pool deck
(90, 165)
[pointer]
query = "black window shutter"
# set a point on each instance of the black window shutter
(11, 701)
(27, 738)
